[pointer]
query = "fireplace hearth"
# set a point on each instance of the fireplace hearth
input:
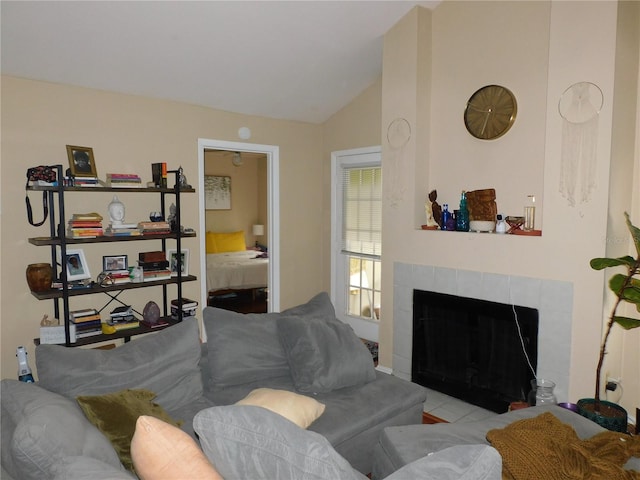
(473, 349)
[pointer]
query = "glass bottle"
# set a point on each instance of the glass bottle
(462, 219)
(542, 392)
(446, 217)
(530, 214)
(24, 371)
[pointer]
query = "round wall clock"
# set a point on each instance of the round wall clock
(490, 112)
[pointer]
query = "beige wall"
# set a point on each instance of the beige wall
(127, 134)
(530, 47)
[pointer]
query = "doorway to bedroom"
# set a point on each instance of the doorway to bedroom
(238, 193)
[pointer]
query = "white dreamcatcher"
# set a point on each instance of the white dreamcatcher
(398, 135)
(579, 107)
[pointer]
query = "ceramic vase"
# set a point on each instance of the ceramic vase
(39, 277)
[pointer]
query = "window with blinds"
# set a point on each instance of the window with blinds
(362, 211)
(362, 239)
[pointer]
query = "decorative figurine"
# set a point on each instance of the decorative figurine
(116, 211)
(182, 179)
(436, 211)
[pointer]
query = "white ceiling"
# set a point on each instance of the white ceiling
(296, 60)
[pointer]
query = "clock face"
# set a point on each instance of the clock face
(490, 112)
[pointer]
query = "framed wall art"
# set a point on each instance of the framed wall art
(217, 192)
(81, 161)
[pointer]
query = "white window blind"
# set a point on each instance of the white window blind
(362, 211)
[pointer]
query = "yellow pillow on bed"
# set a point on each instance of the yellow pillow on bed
(210, 241)
(225, 242)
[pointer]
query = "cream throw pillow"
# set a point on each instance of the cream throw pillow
(299, 409)
(162, 451)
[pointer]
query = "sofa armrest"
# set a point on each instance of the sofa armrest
(462, 462)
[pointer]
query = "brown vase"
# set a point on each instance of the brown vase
(39, 276)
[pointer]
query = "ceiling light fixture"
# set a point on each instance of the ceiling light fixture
(237, 159)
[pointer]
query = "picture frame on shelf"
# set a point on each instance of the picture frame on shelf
(172, 257)
(81, 161)
(76, 265)
(217, 192)
(113, 263)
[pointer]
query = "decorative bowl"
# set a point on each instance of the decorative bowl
(482, 225)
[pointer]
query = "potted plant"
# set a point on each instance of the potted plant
(626, 288)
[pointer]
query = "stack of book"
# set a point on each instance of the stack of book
(123, 180)
(81, 181)
(87, 322)
(122, 230)
(85, 225)
(122, 318)
(159, 174)
(188, 308)
(118, 276)
(154, 266)
(154, 228)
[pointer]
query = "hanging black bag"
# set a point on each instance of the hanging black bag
(45, 174)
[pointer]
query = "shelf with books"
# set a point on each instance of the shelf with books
(45, 241)
(124, 334)
(57, 241)
(55, 188)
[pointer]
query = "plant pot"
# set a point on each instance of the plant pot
(611, 415)
(39, 277)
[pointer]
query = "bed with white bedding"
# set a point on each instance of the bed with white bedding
(241, 270)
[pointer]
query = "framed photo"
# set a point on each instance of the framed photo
(217, 192)
(172, 257)
(77, 267)
(81, 161)
(113, 263)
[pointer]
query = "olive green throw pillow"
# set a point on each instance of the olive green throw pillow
(115, 415)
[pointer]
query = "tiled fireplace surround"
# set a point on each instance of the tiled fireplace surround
(552, 298)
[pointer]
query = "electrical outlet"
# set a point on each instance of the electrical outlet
(611, 386)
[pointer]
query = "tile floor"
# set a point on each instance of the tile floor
(452, 409)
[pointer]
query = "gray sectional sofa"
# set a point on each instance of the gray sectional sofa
(303, 349)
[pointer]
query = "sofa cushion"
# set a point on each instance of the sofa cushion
(87, 468)
(462, 462)
(165, 362)
(242, 348)
(244, 441)
(49, 428)
(299, 409)
(115, 415)
(323, 353)
(161, 451)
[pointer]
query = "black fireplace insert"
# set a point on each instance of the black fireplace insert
(474, 349)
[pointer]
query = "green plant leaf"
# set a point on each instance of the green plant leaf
(616, 282)
(635, 233)
(627, 323)
(631, 295)
(602, 263)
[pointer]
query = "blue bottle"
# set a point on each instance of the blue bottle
(448, 222)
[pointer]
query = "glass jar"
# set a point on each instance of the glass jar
(542, 392)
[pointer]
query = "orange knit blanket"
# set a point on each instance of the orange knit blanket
(544, 448)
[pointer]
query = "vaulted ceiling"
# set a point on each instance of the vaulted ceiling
(295, 60)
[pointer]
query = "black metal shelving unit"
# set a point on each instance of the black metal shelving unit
(57, 240)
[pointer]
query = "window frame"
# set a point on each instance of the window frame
(353, 158)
